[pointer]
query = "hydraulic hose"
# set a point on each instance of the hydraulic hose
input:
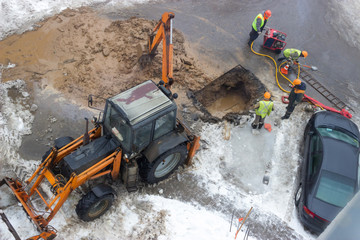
(276, 68)
(276, 73)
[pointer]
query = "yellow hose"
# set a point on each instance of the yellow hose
(276, 74)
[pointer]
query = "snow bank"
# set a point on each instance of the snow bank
(19, 16)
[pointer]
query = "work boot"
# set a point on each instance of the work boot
(253, 125)
(260, 125)
(249, 43)
(286, 116)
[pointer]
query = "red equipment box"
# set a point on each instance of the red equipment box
(274, 40)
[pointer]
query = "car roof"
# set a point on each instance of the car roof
(340, 157)
(335, 119)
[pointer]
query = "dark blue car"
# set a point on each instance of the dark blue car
(329, 175)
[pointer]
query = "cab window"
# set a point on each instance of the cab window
(164, 124)
(116, 125)
(142, 136)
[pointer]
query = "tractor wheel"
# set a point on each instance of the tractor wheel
(46, 154)
(62, 142)
(298, 195)
(58, 143)
(164, 165)
(91, 207)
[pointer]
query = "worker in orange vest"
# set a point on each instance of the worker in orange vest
(263, 109)
(296, 95)
(258, 25)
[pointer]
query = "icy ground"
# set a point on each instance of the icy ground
(228, 172)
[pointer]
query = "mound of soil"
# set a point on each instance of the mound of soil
(80, 53)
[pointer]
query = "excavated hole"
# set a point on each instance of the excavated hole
(229, 96)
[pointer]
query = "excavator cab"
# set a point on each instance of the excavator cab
(138, 116)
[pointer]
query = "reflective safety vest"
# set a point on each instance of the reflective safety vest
(292, 52)
(254, 22)
(265, 108)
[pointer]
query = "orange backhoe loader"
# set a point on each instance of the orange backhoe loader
(138, 138)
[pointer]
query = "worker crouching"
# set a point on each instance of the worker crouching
(292, 56)
(295, 97)
(263, 108)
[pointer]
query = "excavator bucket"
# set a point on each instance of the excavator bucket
(143, 55)
(47, 233)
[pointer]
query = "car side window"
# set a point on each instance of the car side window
(316, 154)
(359, 171)
(164, 124)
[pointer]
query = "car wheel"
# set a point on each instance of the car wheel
(91, 207)
(164, 165)
(298, 195)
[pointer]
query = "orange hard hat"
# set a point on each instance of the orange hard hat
(267, 95)
(267, 14)
(297, 82)
(304, 53)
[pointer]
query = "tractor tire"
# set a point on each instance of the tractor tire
(62, 142)
(164, 165)
(91, 207)
(46, 154)
(58, 143)
(298, 195)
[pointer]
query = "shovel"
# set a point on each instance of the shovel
(312, 67)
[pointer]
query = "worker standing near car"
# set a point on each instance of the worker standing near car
(292, 56)
(258, 25)
(296, 95)
(263, 108)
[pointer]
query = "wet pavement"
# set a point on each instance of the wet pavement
(55, 117)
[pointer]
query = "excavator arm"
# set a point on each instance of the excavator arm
(163, 31)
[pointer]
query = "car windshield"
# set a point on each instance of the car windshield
(336, 134)
(335, 189)
(118, 127)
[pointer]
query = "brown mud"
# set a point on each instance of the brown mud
(78, 53)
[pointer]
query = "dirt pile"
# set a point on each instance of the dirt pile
(78, 53)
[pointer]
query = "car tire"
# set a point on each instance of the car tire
(91, 207)
(298, 195)
(164, 165)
